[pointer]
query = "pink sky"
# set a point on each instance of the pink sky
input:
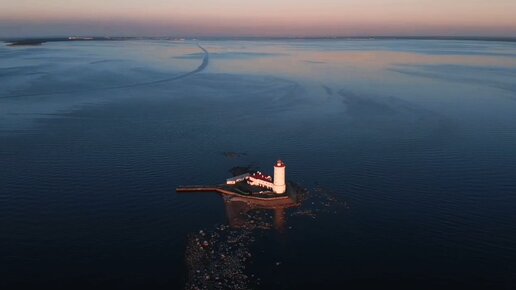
(258, 18)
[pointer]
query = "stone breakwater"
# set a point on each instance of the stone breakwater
(218, 258)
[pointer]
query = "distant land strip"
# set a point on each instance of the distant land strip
(42, 40)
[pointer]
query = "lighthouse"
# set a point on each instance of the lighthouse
(279, 186)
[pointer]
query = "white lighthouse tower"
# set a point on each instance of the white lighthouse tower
(279, 186)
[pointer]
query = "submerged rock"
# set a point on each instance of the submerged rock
(219, 258)
(233, 155)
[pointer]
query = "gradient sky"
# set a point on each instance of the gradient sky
(257, 17)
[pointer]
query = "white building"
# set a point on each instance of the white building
(259, 179)
(239, 178)
(280, 185)
(277, 186)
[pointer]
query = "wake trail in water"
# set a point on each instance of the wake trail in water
(204, 64)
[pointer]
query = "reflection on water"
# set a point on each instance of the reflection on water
(241, 212)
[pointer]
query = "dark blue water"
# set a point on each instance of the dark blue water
(417, 137)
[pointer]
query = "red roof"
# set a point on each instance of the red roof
(262, 177)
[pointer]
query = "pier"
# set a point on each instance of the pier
(231, 191)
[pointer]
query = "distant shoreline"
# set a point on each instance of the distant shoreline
(41, 40)
(27, 42)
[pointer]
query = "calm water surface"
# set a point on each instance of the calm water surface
(418, 137)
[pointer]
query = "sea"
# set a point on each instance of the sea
(407, 148)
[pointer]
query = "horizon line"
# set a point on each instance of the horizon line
(186, 37)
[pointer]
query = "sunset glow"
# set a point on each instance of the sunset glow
(258, 18)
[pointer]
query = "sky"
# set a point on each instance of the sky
(23, 18)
